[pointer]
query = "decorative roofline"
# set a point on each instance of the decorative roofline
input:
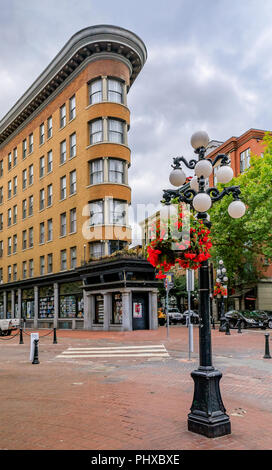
(92, 43)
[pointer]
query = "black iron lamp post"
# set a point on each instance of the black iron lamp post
(208, 415)
(221, 279)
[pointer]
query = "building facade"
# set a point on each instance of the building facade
(64, 161)
(239, 150)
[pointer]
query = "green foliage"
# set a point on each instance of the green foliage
(245, 243)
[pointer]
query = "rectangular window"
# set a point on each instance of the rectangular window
(15, 155)
(63, 260)
(49, 195)
(31, 268)
(9, 161)
(244, 160)
(73, 226)
(63, 224)
(63, 187)
(97, 212)
(1, 248)
(73, 182)
(30, 174)
(30, 237)
(1, 168)
(115, 90)
(15, 185)
(63, 151)
(24, 270)
(96, 249)
(9, 217)
(116, 171)
(96, 171)
(42, 133)
(1, 195)
(49, 161)
(95, 91)
(24, 205)
(9, 245)
(9, 273)
(24, 148)
(9, 189)
(49, 230)
(42, 238)
(24, 240)
(15, 212)
(63, 115)
(117, 212)
(24, 179)
(96, 131)
(50, 263)
(49, 127)
(15, 272)
(42, 167)
(42, 199)
(115, 131)
(73, 145)
(30, 143)
(14, 243)
(72, 107)
(1, 221)
(73, 257)
(30, 205)
(42, 265)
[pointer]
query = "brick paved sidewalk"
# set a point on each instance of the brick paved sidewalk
(130, 402)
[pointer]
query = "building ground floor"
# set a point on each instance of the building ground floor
(115, 295)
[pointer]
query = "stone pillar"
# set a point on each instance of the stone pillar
(19, 300)
(105, 129)
(87, 299)
(125, 94)
(153, 310)
(5, 303)
(13, 303)
(107, 310)
(125, 134)
(127, 311)
(36, 306)
(106, 169)
(56, 304)
(104, 88)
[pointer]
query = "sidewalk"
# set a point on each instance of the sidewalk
(130, 402)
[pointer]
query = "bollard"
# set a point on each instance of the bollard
(36, 352)
(21, 336)
(239, 326)
(227, 328)
(267, 353)
(55, 336)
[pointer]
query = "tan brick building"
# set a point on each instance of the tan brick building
(64, 160)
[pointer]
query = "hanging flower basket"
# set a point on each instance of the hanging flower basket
(219, 290)
(188, 247)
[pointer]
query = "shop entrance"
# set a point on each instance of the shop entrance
(140, 312)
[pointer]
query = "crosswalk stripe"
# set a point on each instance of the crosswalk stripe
(115, 351)
(72, 356)
(161, 346)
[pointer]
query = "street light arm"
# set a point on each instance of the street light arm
(176, 163)
(215, 194)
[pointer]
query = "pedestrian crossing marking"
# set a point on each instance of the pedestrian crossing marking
(115, 351)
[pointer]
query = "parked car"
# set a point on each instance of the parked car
(249, 319)
(8, 325)
(194, 317)
(174, 316)
(269, 314)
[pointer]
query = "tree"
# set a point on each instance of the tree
(246, 244)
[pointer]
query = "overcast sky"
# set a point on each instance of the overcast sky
(209, 67)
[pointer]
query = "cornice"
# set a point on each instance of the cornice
(89, 44)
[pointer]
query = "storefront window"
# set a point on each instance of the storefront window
(9, 305)
(71, 300)
(1, 306)
(99, 309)
(116, 308)
(46, 302)
(28, 303)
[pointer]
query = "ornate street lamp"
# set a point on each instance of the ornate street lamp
(208, 415)
(221, 279)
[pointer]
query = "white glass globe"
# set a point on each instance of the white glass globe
(218, 280)
(194, 184)
(221, 261)
(199, 139)
(236, 209)
(202, 202)
(177, 177)
(224, 270)
(224, 174)
(203, 168)
(218, 271)
(225, 278)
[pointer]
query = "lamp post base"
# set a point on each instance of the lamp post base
(208, 415)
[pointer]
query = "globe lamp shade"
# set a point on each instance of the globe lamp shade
(236, 209)
(177, 177)
(194, 184)
(224, 174)
(202, 202)
(199, 139)
(203, 168)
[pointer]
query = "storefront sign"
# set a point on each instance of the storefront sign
(137, 310)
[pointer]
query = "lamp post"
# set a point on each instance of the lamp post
(221, 279)
(208, 415)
